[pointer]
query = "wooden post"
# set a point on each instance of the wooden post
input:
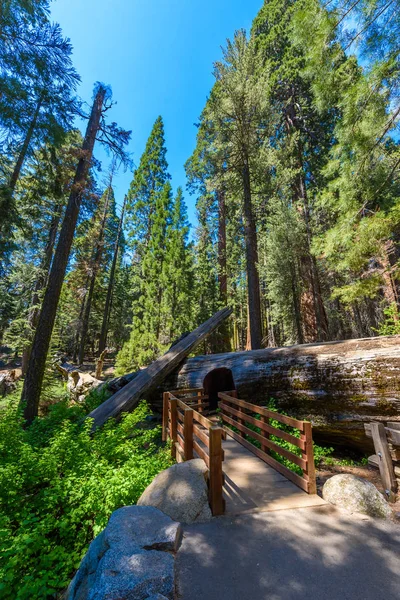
(385, 460)
(265, 434)
(199, 394)
(173, 430)
(308, 455)
(165, 416)
(216, 499)
(188, 433)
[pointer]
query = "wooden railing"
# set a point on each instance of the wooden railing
(387, 455)
(239, 414)
(193, 435)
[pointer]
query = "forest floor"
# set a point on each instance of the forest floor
(325, 472)
(342, 464)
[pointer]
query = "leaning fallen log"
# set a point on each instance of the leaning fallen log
(337, 385)
(127, 398)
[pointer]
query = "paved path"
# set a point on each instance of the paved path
(301, 554)
(251, 485)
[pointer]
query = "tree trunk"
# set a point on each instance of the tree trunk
(41, 283)
(315, 321)
(37, 363)
(253, 282)
(222, 274)
(339, 386)
(25, 147)
(107, 306)
(94, 270)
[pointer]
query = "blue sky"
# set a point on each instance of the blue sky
(157, 55)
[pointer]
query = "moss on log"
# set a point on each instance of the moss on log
(337, 385)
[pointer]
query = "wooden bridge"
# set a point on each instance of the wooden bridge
(239, 448)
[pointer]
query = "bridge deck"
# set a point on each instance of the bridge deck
(252, 486)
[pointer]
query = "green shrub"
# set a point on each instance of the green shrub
(319, 451)
(391, 324)
(59, 485)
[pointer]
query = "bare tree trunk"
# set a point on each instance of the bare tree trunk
(25, 147)
(37, 363)
(41, 282)
(253, 282)
(107, 306)
(315, 321)
(222, 273)
(94, 270)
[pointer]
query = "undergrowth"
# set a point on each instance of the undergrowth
(320, 452)
(59, 485)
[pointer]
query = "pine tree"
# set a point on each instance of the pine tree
(148, 181)
(35, 372)
(147, 338)
(178, 273)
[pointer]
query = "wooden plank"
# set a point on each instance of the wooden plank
(260, 410)
(195, 399)
(186, 391)
(165, 416)
(373, 461)
(393, 436)
(180, 428)
(216, 498)
(309, 457)
(202, 420)
(179, 451)
(188, 433)
(288, 437)
(199, 407)
(201, 453)
(296, 479)
(385, 461)
(127, 398)
(297, 460)
(173, 433)
(202, 434)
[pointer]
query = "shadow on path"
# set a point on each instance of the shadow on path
(307, 553)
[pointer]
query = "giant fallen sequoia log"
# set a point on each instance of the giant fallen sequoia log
(144, 381)
(337, 385)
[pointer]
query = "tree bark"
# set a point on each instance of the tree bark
(222, 273)
(41, 282)
(107, 306)
(37, 363)
(339, 386)
(94, 270)
(253, 282)
(25, 147)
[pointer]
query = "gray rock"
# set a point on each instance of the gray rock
(142, 527)
(180, 492)
(133, 577)
(131, 559)
(356, 495)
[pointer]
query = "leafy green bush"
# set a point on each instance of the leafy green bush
(59, 485)
(391, 324)
(320, 452)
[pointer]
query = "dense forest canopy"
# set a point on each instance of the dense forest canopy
(295, 174)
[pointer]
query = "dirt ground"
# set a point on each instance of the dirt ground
(365, 472)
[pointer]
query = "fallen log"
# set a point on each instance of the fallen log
(127, 398)
(337, 385)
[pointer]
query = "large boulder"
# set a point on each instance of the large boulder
(181, 492)
(132, 559)
(356, 495)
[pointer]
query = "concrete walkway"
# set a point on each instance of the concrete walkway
(251, 485)
(301, 554)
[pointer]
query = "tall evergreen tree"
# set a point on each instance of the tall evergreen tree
(148, 181)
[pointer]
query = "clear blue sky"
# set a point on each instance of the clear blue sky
(157, 55)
